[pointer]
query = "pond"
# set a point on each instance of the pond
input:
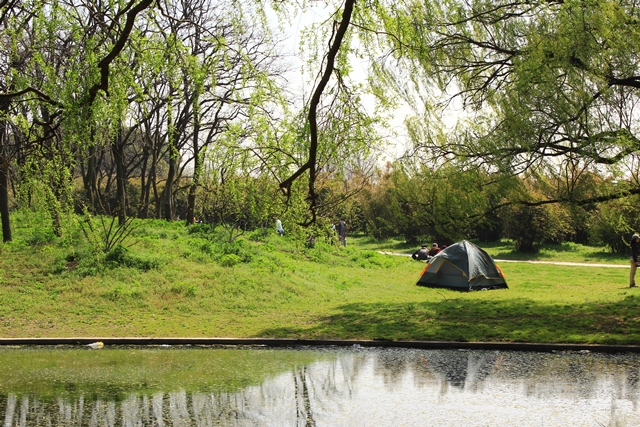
(355, 386)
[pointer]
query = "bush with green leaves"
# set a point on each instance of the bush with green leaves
(229, 260)
(613, 223)
(525, 226)
(106, 233)
(121, 256)
(200, 229)
(213, 241)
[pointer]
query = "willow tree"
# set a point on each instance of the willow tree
(543, 87)
(338, 126)
(57, 58)
(10, 15)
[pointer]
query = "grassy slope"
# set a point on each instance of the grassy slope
(283, 290)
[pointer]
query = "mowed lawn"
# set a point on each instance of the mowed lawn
(275, 287)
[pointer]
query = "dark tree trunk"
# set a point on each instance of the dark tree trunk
(153, 177)
(121, 195)
(143, 203)
(312, 117)
(174, 159)
(4, 179)
(191, 200)
(168, 189)
(4, 196)
(55, 198)
(89, 179)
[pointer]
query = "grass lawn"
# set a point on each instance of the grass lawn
(188, 282)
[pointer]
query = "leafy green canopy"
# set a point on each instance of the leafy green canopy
(546, 87)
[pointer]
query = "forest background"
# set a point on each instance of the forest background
(182, 110)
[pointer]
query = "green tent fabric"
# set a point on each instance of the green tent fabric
(462, 266)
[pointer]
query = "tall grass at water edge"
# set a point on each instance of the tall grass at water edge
(178, 281)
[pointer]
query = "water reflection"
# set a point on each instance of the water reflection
(311, 387)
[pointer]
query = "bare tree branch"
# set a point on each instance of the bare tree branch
(115, 51)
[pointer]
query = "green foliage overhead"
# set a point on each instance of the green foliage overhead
(537, 86)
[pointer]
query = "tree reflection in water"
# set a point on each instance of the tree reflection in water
(369, 387)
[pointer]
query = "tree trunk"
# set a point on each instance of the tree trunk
(312, 116)
(191, 201)
(4, 181)
(157, 201)
(117, 149)
(143, 203)
(168, 189)
(4, 195)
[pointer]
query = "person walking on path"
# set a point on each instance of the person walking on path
(635, 257)
(342, 231)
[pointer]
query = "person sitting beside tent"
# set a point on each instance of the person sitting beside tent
(421, 254)
(435, 250)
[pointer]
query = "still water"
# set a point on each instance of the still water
(206, 386)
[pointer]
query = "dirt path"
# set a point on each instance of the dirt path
(580, 264)
(577, 264)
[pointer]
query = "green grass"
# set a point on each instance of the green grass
(267, 286)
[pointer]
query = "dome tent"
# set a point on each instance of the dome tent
(462, 266)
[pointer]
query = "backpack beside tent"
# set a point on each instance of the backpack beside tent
(462, 266)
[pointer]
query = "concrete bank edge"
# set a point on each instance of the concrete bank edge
(294, 342)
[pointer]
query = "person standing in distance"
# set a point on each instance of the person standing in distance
(635, 257)
(342, 231)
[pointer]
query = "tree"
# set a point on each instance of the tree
(336, 126)
(111, 90)
(39, 47)
(546, 86)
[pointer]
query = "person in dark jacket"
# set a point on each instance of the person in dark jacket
(635, 258)
(421, 254)
(435, 250)
(342, 231)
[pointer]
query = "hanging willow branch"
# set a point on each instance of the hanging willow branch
(311, 163)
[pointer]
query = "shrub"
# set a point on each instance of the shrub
(613, 224)
(199, 229)
(525, 225)
(118, 255)
(259, 234)
(41, 236)
(121, 256)
(105, 233)
(207, 248)
(238, 248)
(229, 260)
